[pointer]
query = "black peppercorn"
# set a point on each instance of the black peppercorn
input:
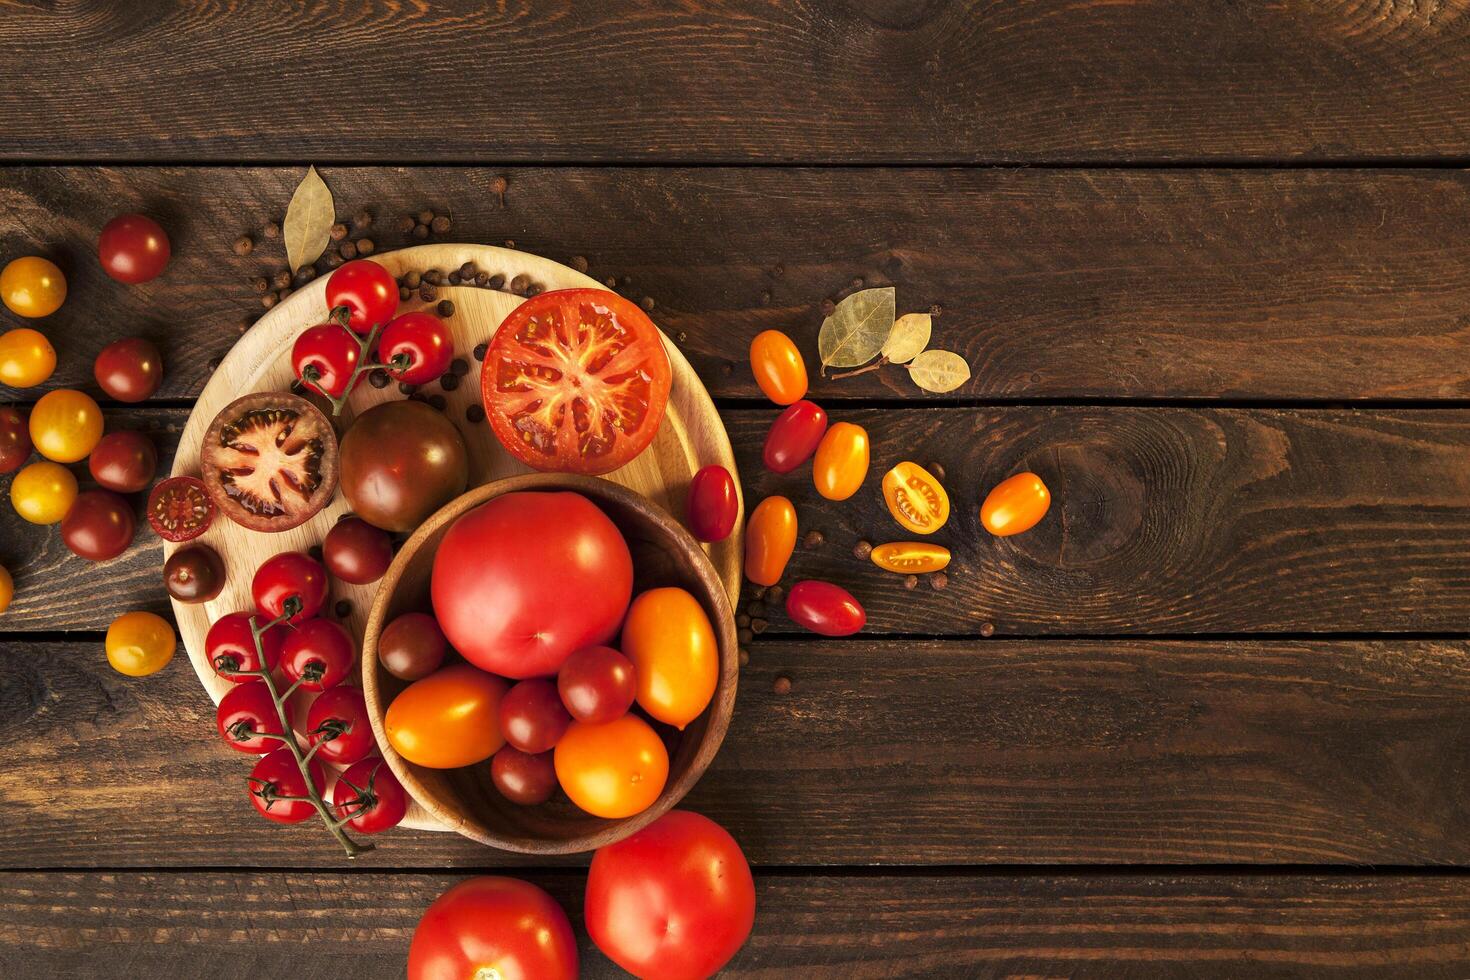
(449, 381)
(480, 351)
(828, 307)
(411, 279)
(813, 539)
(535, 289)
(282, 293)
(378, 378)
(268, 300)
(454, 278)
(911, 581)
(756, 608)
(438, 402)
(404, 293)
(497, 281)
(475, 414)
(467, 271)
(459, 366)
(987, 629)
(427, 293)
(774, 594)
(938, 581)
(744, 656)
(404, 388)
(343, 610)
(481, 278)
(745, 635)
(433, 277)
(647, 303)
(742, 620)
(938, 470)
(519, 283)
(758, 626)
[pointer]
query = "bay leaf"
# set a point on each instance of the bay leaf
(909, 337)
(939, 370)
(308, 225)
(854, 333)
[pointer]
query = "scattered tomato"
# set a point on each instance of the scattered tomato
(247, 717)
(412, 646)
(449, 719)
(65, 425)
(417, 347)
(43, 492)
(230, 647)
(915, 499)
(338, 723)
(278, 790)
(26, 358)
(794, 436)
(824, 608)
(597, 684)
(7, 588)
(401, 461)
(779, 370)
(123, 461)
(319, 653)
(356, 552)
(367, 290)
(15, 440)
(841, 465)
(371, 795)
(99, 526)
(32, 286)
(194, 573)
(139, 644)
(532, 717)
(675, 657)
(770, 538)
(324, 357)
(713, 504)
(525, 780)
(910, 557)
(492, 928)
(1015, 505)
(129, 370)
(614, 769)
(291, 573)
(133, 248)
(179, 509)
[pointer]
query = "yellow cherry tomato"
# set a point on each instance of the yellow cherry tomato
(915, 498)
(449, 719)
(66, 425)
(614, 769)
(1015, 505)
(140, 643)
(672, 645)
(770, 538)
(26, 358)
(778, 367)
(42, 493)
(32, 286)
(7, 589)
(841, 464)
(910, 557)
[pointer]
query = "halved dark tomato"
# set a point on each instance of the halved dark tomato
(576, 381)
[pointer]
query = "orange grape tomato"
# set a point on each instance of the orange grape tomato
(1015, 505)
(32, 286)
(842, 461)
(770, 538)
(7, 589)
(614, 769)
(778, 367)
(915, 498)
(449, 719)
(676, 659)
(910, 557)
(66, 425)
(26, 357)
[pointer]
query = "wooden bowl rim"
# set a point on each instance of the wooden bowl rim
(721, 706)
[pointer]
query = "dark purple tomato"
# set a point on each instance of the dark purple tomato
(15, 440)
(824, 608)
(532, 717)
(357, 552)
(417, 347)
(129, 370)
(597, 684)
(194, 573)
(794, 436)
(412, 646)
(133, 248)
(712, 504)
(400, 462)
(123, 461)
(523, 778)
(99, 525)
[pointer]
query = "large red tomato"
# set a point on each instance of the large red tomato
(576, 381)
(523, 580)
(493, 927)
(674, 900)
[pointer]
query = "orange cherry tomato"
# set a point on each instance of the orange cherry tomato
(770, 538)
(778, 367)
(66, 425)
(43, 492)
(910, 557)
(842, 461)
(140, 643)
(915, 499)
(449, 719)
(7, 589)
(32, 286)
(26, 357)
(672, 645)
(614, 769)
(1015, 505)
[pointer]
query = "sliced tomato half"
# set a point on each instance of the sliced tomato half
(576, 381)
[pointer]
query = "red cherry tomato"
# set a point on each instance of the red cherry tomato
(417, 347)
(794, 436)
(675, 899)
(179, 509)
(597, 684)
(123, 461)
(355, 551)
(288, 574)
(713, 504)
(129, 370)
(319, 653)
(526, 780)
(371, 795)
(824, 608)
(246, 716)
(15, 440)
(99, 526)
(532, 717)
(229, 647)
(338, 721)
(493, 926)
(367, 290)
(277, 775)
(133, 248)
(324, 357)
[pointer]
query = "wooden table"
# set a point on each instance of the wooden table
(1210, 265)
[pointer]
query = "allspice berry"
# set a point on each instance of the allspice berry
(271, 230)
(428, 293)
(862, 549)
(362, 220)
(987, 629)
(911, 581)
(445, 308)
(647, 303)
(406, 223)
(519, 284)
(261, 284)
(347, 250)
(282, 279)
(938, 581)
(339, 232)
(745, 635)
(244, 245)
(268, 300)
(440, 224)
(411, 279)
(938, 470)
(758, 626)
(421, 231)
(426, 216)
(813, 539)
(365, 246)
(774, 595)
(782, 685)
(744, 656)
(498, 187)
(579, 262)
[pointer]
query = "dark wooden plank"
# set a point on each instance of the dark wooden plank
(726, 80)
(1071, 752)
(305, 925)
(1079, 284)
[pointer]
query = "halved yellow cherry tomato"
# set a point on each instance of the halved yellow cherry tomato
(676, 659)
(43, 492)
(1015, 505)
(778, 367)
(7, 589)
(910, 557)
(841, 465)
(614, 769)
(140, 643)
(915, 498)
(32, 286)
(66, 425)
(770, 538)
(26, 358)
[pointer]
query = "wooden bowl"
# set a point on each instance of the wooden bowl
(466, 800)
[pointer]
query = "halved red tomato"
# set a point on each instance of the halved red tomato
(576, 381)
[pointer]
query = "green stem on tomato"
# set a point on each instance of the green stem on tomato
(365, 362)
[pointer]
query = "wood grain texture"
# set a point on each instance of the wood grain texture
(941, 81)
(884, 752)
(1287, 285)
(243, 925)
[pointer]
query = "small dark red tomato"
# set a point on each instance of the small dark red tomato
(532, 717)
(133, 248)
(123, 461)
(371, 795)
(357, 552)
(338, 721)
(129, 370)
(99, 525)
(713, 503)
(412, 646)
(417, 347)
(179, 509)
(367, 290)
(15, 440)
(244, 713)
(324, 357)
(824, 608)
(794, 436)
(230, 647)
(278, 790)
(319, 653)
(288, 574)
(597, 684)
(523, 778)
(194, 573)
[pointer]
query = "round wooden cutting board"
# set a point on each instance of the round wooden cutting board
(690, 436)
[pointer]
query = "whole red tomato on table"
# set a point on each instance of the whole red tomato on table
(493, 927)
(133, 248)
